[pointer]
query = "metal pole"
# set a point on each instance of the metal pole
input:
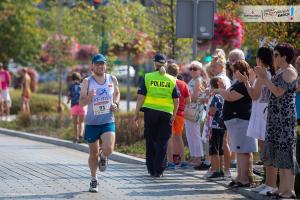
(128, 96)
(195, 30)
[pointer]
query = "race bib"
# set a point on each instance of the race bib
(101, 107)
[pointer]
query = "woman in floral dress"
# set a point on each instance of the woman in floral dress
(280, 140)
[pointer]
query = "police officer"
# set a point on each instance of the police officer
(158, 98)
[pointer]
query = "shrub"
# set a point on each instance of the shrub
(24, 120)
(126, 134)
(38, 103)
(51, 87)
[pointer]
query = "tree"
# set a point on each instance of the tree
(163, 15)
(20, 35)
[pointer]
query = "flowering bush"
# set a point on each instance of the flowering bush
(140, 46)
(59, 46)
(228, 31)
(85, 52)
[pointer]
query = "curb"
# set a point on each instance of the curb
(116, 156)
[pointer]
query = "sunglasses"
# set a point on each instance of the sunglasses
(276, 55)
(193, 69)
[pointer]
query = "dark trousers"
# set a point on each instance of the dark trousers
(216, 142)
(157, 132)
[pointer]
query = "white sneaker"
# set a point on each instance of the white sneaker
(267, 189)
(208, 174)
(93, 186)
(227, 174)
(259, 188)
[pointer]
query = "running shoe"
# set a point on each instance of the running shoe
(184, 165)
(93, 186)
(102, 162)
(171, 166)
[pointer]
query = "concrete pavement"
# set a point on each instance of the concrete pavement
(35, 170)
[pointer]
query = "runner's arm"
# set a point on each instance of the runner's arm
(116, 95)
(85, 96)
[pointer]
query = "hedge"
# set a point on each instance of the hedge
(39, 103)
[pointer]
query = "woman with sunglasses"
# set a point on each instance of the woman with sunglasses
(260, 94)
(192, 128)
(280, 140)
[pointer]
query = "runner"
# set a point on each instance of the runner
(101, 93)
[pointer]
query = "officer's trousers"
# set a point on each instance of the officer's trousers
(158, 130)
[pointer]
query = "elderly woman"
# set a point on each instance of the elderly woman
(192, 127)
(236, 115)
(280, 140)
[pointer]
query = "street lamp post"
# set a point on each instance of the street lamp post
(195, 5)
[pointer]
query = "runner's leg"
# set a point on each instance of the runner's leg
(108, 143)
(93, 157)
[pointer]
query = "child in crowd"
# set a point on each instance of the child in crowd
(216, 131)
(77, 111)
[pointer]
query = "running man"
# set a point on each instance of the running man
(101, 93)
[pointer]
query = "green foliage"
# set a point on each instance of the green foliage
(137, 149)
(123, 91)
(51, 87)
(39, 103)
(163, 16)
(20, 36)
(77, 22)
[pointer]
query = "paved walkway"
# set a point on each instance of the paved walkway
(34, 170)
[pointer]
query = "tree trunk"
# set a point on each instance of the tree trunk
(173, 36)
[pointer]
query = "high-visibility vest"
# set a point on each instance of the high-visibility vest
(159, 91)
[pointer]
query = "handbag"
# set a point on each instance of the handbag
(195, 112)
(190, 113)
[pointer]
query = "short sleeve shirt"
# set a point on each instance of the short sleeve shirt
(74, 91)
(217, 102)
(240, 108)
(184, 93)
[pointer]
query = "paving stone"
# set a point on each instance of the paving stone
(34, 170)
